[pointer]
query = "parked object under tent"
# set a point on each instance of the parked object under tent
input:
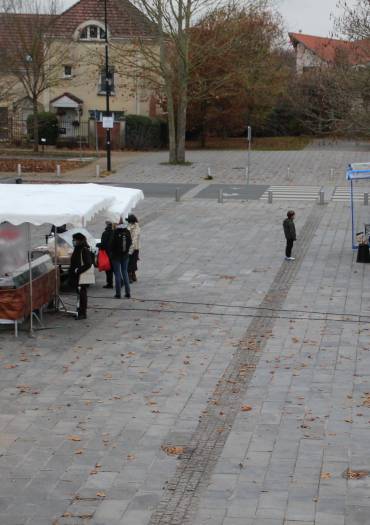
(39, 204)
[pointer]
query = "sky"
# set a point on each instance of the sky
(310, 16)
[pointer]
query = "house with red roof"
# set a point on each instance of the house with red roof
(316, 52)
(79, 94)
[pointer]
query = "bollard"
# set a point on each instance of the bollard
(98, 170)
(58, 173)
(19, 170)
(288, 172)
(269, 197)
(209, 175)
(366, 198)
(321, 197)
(220, 196)
(332, 174)
(177, 195)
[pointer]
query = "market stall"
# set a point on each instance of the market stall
(73, 204)
(357, 173)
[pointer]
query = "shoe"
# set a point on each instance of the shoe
(117, 297)
(290, 258)
(80, 316)
(128, 296)
(108, 286)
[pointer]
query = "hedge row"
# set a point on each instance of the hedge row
(145, 132)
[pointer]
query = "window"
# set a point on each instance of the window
(67, 71)
(103, 83)
(92, 33)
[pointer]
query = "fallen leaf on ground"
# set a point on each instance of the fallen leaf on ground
(79, 451)
(325, 475)
(131, 456)
(101, 494)
(74, 438)
(246, 408)
(356, 474)
(10, 366)
(173, 451)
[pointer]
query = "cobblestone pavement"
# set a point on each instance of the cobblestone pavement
(101, 420)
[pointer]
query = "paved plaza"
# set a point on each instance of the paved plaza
(233, 389)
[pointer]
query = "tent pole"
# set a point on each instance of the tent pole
(30, 276)
(56, 270)
(352, 216)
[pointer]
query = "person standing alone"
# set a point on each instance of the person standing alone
(290, 235)
(121, 243)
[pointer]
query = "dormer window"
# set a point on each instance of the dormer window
(92, 32)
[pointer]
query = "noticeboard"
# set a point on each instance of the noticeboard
(108, 122)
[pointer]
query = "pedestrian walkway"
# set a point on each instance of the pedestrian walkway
(294, 193)
(343, 193)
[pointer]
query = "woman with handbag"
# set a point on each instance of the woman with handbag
(81, 272)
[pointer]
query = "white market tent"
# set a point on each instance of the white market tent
(59, 204)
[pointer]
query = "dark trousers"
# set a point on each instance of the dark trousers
(82, 299)
(120, 274)
(289, 246)
(109, 276)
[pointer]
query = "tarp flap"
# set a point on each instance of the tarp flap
(59, 204)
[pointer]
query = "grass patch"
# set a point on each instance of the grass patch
(258, 144)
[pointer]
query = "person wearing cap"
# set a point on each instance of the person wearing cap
(134, 229)
(290, 234)
(106, 244)
(81, 272)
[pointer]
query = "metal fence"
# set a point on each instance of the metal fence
(15, 131)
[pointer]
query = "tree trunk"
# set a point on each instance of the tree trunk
(171, 127)
(181, 120)
(35, 125)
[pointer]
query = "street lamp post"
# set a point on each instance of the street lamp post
(108, 83)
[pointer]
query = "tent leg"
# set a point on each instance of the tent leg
(353, 218)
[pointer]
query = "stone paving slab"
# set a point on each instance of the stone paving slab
(85, 408)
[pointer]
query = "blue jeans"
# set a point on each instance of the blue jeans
(120, 273)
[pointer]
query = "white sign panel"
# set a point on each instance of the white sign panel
(108, 122)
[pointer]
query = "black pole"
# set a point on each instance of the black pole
(107, 87)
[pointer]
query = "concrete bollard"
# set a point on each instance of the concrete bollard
(19, 170)
(332, 174)
(97, 172)
(321, 197)
(269, 197)
(366, 198)
(220, 196)
(177, 195)
(58, 172)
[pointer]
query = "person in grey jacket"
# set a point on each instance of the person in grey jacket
(290, 234)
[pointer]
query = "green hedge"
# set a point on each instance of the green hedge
(145, 132)
(48, 127)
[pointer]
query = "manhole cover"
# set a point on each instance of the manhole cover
(356, 474)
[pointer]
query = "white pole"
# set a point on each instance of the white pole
(98, 170)
(56, 269)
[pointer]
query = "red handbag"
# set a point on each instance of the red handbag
(104, 264)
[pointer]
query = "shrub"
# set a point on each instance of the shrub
(145, 132)
(48, 127)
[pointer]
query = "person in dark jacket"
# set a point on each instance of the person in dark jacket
(106, 244)
(121, 243)
(290, 235)
(81, 261)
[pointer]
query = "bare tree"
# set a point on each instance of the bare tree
(163, 60)
(355, 21)
(30, 54)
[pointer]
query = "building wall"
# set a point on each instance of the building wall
(87, 60)
(306, 59)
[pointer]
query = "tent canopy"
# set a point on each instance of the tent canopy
(358, 171)
(59, 204)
